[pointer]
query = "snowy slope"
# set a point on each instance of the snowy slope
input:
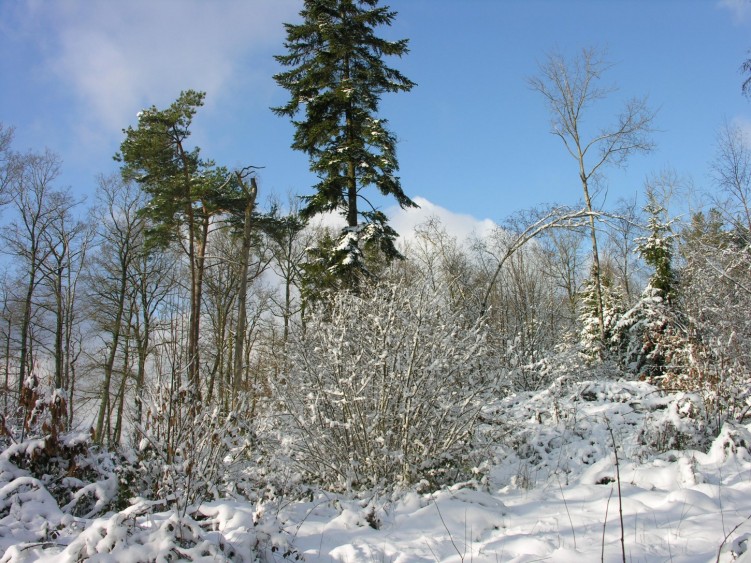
(550, 492)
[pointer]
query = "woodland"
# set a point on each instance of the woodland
(189, 375)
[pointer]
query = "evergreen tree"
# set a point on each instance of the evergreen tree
(706, 232)
(612, 308)
(336, 77)
(657, 248)
(185, 191)
(651, 338)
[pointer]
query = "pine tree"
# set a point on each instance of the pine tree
(185, 191)
(336, 77)
(612, 308)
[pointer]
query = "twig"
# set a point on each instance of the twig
(43, 545)
(730, 533)
(451, 538)
(719, 497)
(565, 504)
(431, 550)
(618, 481)
(604, 525)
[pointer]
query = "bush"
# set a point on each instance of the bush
(385, 387)
(184, 456)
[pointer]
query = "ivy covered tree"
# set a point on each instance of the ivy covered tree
(184, 192)
(336, 77)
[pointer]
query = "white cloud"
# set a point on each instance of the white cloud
(117, 57)
(404, 221)
(459, 225)
(739, 9)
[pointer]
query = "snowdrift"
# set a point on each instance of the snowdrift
(582, 471)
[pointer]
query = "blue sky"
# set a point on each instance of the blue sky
(474, 138)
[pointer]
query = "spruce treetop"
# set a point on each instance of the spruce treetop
(336, 77)
(657, 247)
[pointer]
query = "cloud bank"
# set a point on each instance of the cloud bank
(404, 221)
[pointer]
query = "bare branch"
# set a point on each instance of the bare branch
(731, 169)
(557, 217)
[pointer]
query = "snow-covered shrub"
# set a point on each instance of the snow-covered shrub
(56, 490)
(185, 456)
(651, 340)
(553, 433)
(81, 478)
(676, 421)
(385, 387)
(714, 296)
(590, 336)
(47, 486)
(563, 431)
(564, 361)
(721, 374)
(28, 512)
(42, 409)
(78, 475)
(218, 532)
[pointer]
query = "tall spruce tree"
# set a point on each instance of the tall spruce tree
(336, 77)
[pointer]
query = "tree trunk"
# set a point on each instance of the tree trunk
(110, 361)
(242, 295)
(6, 388)
(116, 435)
(597, 278)
(59, 325)
(26, 325)
(143, 337)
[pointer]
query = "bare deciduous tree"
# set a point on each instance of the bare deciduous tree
(110, 290)
(564, 264)
(24, 238)
(9, 162)
(289, 241)
(530, 225)
(570, 88)
(732, 172)
(624, 225)
(67, 241)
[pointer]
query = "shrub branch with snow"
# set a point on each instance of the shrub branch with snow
(385, 387)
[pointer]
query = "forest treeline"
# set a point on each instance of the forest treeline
(214, 346)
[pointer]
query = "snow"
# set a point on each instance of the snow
(550, 492)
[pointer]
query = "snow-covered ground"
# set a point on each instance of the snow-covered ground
(552, 492)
